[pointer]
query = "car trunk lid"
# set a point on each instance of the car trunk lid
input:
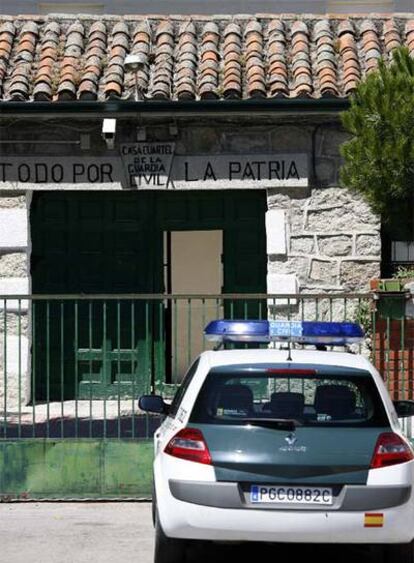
(260, 454)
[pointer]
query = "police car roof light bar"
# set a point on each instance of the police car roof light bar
(302, 332)
(237, 331)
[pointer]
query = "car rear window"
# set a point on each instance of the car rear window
(307, 395)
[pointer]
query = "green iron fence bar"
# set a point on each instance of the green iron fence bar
(73, 366)
(5, 367)
(132, 366)
(181, 296)
(105, 366)
(48, 367)
(19, 329)
(62, 368)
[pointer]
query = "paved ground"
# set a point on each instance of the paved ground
(82, 419)
(75, 533)
(108, 532)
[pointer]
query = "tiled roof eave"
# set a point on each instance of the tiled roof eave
(260, 57)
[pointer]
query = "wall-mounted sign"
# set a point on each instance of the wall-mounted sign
(154, 166)
(55, 171)
(240, 171)
(147, 165)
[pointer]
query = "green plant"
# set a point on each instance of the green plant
(379, 158)
(363, 316)
(404, 272)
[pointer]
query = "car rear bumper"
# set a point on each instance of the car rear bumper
(182, 519)
(231, 495)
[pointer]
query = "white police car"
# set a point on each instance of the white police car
(282, 446)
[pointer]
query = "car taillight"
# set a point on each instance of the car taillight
(189, 444)
(391, 449)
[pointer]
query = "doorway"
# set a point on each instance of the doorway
(194, 265)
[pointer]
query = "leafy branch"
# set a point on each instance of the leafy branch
(379, 158)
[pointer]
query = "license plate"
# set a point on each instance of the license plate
(291, 495)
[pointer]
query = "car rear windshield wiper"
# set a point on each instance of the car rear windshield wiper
(280, 423)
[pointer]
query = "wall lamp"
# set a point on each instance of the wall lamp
(134, 63)
(108, 132)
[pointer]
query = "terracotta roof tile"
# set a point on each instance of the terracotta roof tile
(348, 50)
(277, 59)
(392, 38)
(95, 53)
(21, 72)
(208, 78)
(371, 46)
(199, 57)
(299, 27)
(73, 49)
(345, 26)
(187, 60)
(409, 36)
(326, 65)
(302, 85)
(46, 68)
(232, 61)
(255, 69)
(162, 85)
(114, 75)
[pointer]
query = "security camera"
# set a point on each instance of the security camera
(134, 63)
(108, 132)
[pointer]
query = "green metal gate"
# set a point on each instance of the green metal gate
(101, 448)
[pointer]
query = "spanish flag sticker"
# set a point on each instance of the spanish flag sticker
(373, 520)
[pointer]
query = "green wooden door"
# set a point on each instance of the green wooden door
(245, 253)
(112, 243)
(102, 243)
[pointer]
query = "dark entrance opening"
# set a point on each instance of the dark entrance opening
(397, 239)
(115, 243)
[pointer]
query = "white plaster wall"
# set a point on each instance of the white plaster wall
(14, 286)
(17, 354)
(276, 245)
(13, 229)
(276, 231)
(282, 284)
(14, 313)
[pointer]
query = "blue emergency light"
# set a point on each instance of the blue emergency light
(303, 332)
(237, 331)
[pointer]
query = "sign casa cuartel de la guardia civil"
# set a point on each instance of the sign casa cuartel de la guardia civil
(155, 166)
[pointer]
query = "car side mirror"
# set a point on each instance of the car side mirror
(154, 404)
(404, 408)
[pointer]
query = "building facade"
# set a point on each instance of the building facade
(211, 168)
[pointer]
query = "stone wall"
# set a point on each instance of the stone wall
(332, 238)
(332, 241)
(14, 317)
